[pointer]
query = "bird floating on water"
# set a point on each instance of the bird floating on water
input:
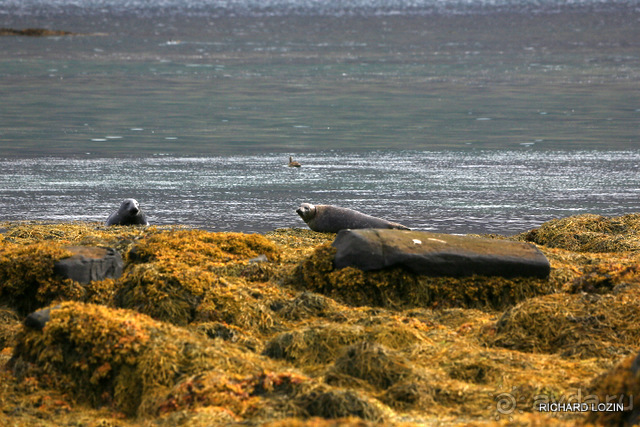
(293, 164)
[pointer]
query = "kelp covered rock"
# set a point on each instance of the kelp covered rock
(118, 357)
(242, 396)
(372, 363)
(77, 234)
(621, 386)
(324, 342)
(201, 248)
(176, 276)
(583, 325)
(31, 276)
(589, 233)
(9, 327)
(27, 279)
(398, 287)
(327, 402)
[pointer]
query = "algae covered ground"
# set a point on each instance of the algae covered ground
(208, 329)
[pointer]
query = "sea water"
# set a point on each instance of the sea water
(454, 116)
(481, 191)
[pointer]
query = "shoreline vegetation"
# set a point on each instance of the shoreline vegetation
(206, 328)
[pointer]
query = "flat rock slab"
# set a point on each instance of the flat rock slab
(90, 263)
(435, 254)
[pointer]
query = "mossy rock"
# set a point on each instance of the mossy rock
(234, 305)
(191, 294)
(223, 331)
(398, 288)
(581, 325)
(118, 357)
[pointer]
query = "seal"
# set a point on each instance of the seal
(293, 164)
(331, 219)
(129, 213)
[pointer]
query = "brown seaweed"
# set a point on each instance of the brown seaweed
(200, 330)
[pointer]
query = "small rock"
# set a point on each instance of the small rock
(438, 254)
(90, 263)
(39, 318)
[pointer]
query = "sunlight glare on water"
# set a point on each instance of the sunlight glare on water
(455, 192)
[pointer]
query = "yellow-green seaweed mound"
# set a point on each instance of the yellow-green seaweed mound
(27, 279)
(118, 357)
(396, 288)
(620, 385)
(583, 325)
(589, 233)
(9, 327)
(323, 342)
(372, 363)
(77, 234)
(175, 276)
(201, 248)
(344, 347)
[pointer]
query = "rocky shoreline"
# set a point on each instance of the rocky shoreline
(202, 328)
(34, 32)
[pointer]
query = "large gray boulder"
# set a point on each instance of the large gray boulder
(90, 263)
(435, 254)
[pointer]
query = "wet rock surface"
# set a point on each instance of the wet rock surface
(435, 254)
(90, 263)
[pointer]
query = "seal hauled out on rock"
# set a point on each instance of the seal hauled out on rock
(331, 219)
(128, 214)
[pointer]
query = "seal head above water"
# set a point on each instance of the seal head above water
(331, 219)
(129, 213)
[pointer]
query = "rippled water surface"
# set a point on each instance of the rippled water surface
(457, 116)
(447, 191)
